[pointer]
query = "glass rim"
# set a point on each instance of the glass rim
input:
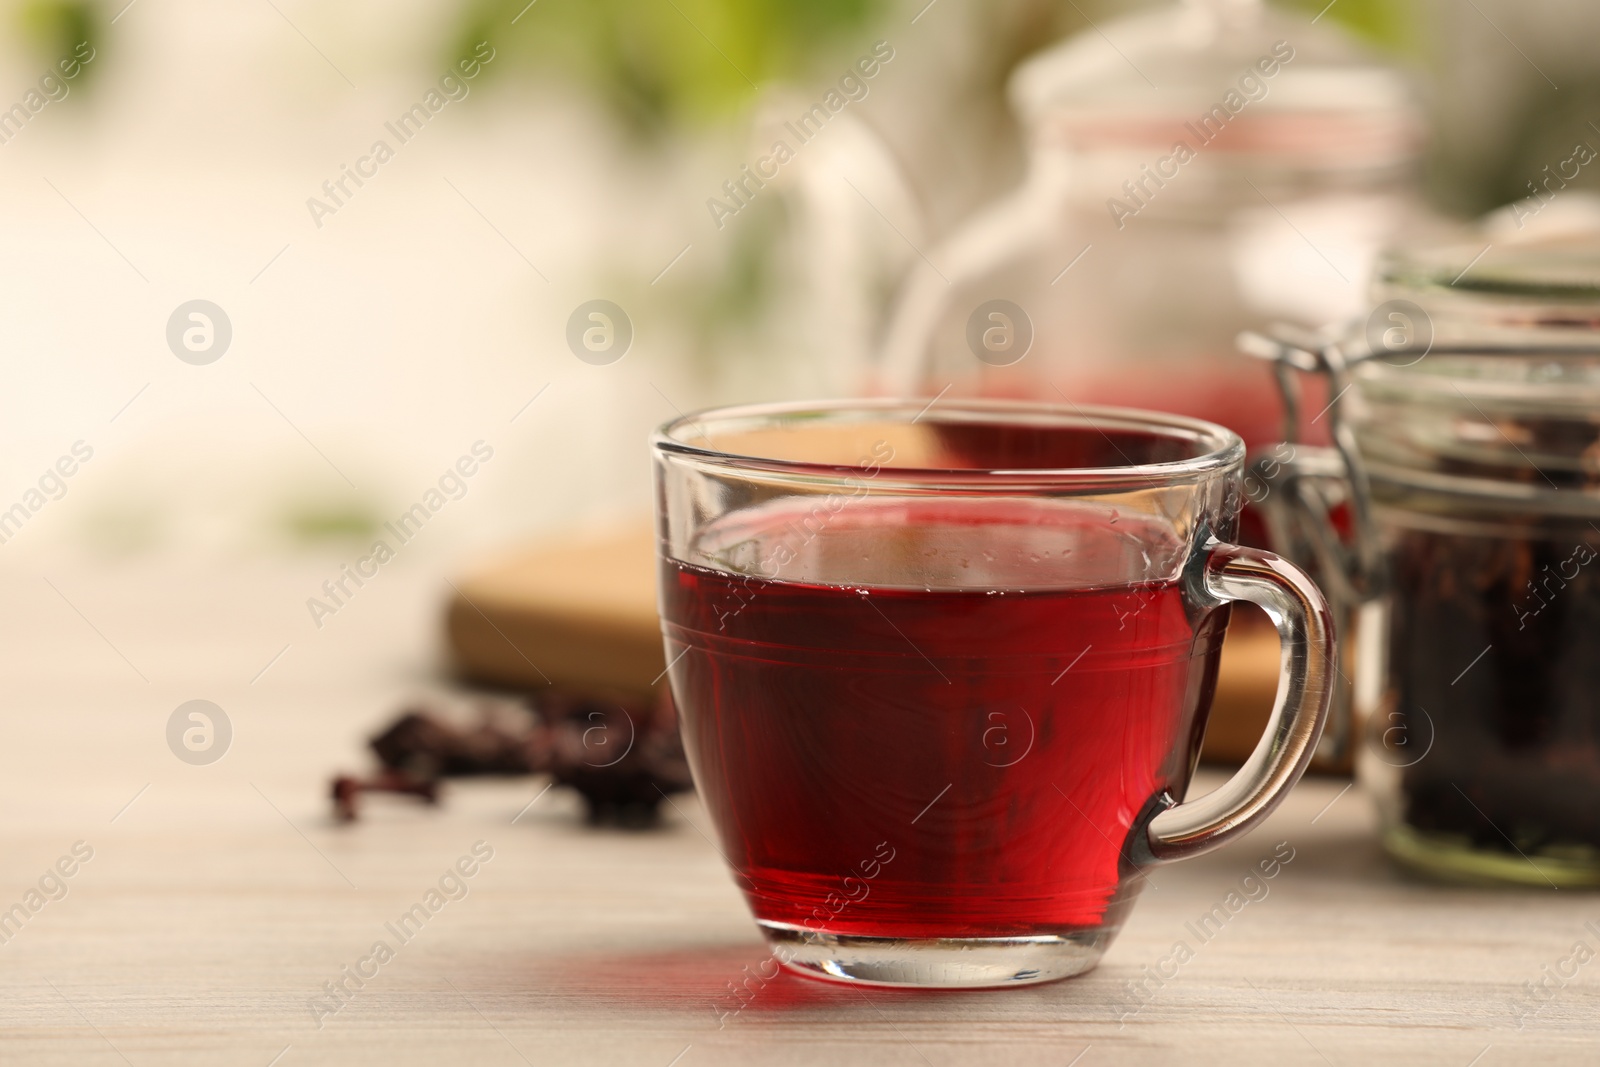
(1217, 448)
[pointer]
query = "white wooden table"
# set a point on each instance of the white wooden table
(220, 899)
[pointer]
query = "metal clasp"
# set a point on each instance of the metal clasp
(1316, 500)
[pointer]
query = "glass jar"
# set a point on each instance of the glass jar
(1459, 508)
(1193, 170)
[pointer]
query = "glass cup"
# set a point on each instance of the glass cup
(942, 671)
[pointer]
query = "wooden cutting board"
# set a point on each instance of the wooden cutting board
(580, 612)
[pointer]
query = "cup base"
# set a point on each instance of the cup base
(935, 963)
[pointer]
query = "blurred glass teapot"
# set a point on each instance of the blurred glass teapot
(1193, 171)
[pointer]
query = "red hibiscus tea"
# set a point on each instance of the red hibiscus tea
(968, 747)
(942, 669)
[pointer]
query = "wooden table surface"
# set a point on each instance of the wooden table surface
(219, 900)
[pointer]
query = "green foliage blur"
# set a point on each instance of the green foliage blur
(666, 68)
(55, 27)
(662, 63)
(1389, 25)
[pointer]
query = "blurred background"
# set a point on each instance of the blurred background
(373, 341)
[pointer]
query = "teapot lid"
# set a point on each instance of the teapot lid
(1234, 75)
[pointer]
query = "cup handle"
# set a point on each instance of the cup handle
(1305, 633)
